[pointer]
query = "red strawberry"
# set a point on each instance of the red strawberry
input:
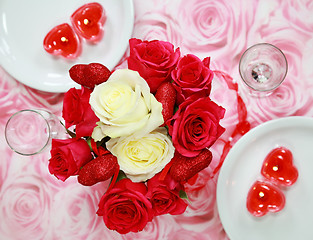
(97, 72)
(166, 94)
(184, 168)
(77, 73)
(98, 170)
(89, 75)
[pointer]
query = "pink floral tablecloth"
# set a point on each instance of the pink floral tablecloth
(35, 205)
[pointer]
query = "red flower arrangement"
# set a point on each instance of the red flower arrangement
(148, 128)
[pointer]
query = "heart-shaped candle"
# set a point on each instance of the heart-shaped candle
(62, 40)
(264, 197)
(278, 167)
(88, 21)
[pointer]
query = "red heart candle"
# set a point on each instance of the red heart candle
(264, 197)
(88, 21)
(62, 40)
(278, 167)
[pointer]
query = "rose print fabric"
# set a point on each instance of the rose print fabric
(35, 205)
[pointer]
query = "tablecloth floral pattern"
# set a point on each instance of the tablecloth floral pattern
(34, 205)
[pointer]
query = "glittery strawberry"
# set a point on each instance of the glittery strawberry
(184, 168)
(89, 75)
(98, 170)
(166, 94)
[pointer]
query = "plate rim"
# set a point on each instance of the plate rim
(274, 123)
(14, 72)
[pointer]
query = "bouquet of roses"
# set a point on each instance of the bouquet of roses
(148, 128)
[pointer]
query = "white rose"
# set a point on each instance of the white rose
(124, 106)
(142, 158)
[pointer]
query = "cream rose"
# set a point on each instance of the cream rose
(125, 106)
(142, 158)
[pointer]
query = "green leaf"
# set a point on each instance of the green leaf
(175, 109)
(121, 175)
(73, 135)
(88, 140)
(183, 195)
(103, 141)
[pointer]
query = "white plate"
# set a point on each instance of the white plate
(242, 167)
(24, 24)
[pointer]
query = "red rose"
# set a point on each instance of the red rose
(192, 76)
(125, 207)
(153, 60)
(164, 195)
(195, 125)
(67, 156)
(77, 111)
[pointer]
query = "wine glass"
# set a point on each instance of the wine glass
(29, 131)
(263, 67)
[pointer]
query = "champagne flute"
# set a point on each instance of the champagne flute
(29, 131)
(263, 67)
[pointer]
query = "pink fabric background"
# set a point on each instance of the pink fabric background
(35, 205)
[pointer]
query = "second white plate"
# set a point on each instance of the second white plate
(24, 24)
(242, 167)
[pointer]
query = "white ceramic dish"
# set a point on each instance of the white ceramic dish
(24, 24)
(242, 167)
